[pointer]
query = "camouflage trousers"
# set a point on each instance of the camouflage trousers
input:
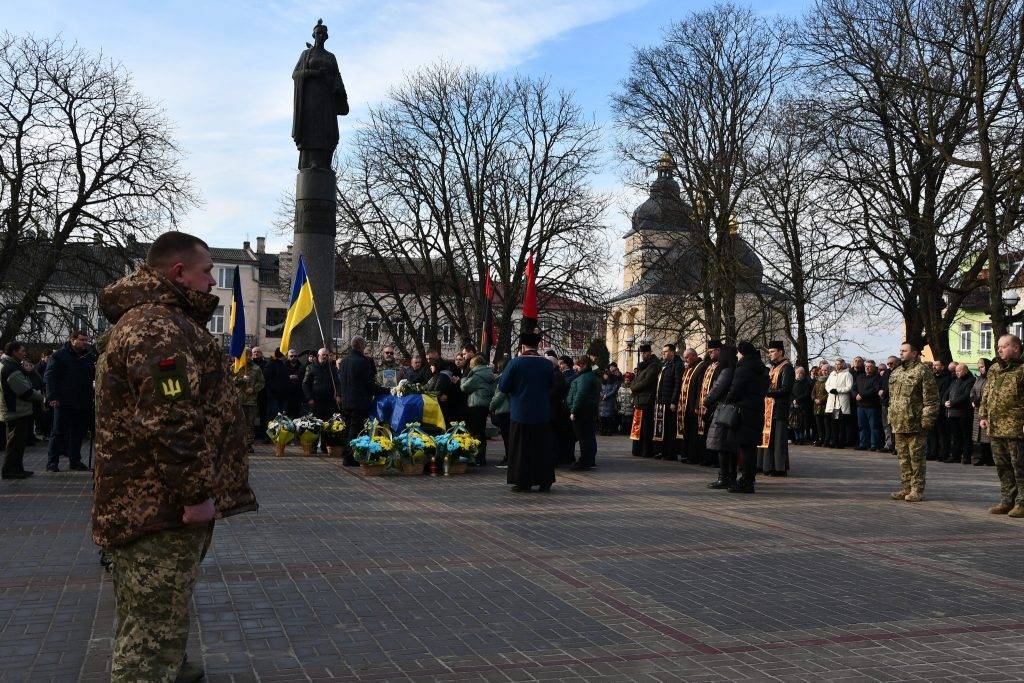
(1009, 458)
(910, 452)
(252, 413)
(153, 581)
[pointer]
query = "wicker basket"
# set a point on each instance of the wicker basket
(309, 449)
(279, 450)
(411, 469)
(335, 451)
(458, 467)
(371, 470)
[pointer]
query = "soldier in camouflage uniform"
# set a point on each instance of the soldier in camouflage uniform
(1002, 413)
(249, 382)
(913, 408)
(170, 453)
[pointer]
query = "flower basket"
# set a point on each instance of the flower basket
(371, 470)
(460, 446)
(410, 469)
(309, 449)
(415, 446)
(335, 451)
(279, 450)
(333, 431)
(459, 467)
(309, 428)
(374, 446)
(281, 431)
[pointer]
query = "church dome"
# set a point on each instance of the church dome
(664, 209)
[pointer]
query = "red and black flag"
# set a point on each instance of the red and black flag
(530, 311)
(488, 336)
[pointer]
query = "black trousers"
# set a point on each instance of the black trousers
(584, 427)
(937, 442)
(960, 429)
(727, 466)
(644, 446)
(501, 421)
(476, 423)
(565, 440)
(18, 431)
(668, 447)
(531, 459)
(69, 428)
(354, 421)
(748, 458)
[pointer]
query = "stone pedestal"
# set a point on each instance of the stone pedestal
(315, 229)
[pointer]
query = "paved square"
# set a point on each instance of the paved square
(633, 572)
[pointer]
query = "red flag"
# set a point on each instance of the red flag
(488, 338)
(530, 311)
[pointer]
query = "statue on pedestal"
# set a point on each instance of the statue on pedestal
(319, 99)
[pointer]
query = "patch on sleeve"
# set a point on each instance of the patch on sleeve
(170, 382)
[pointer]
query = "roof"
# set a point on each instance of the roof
(227, 254)
(82, 266)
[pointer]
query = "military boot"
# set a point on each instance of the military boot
(1001, 508)
(190, 672)
(1017, 511)
(914, 496)
(899, 495)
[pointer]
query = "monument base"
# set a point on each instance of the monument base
(316, 227)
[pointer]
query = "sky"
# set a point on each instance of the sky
(222, 71)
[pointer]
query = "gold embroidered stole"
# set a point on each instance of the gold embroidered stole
(769, 405)
(705, 387)
(684, 395)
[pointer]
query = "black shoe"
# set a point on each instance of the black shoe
(78, 467)
(979, 463)
(720, 484)
(520, 489)
(52, 468)
(741, 487)
(190, 673)
(544, 489)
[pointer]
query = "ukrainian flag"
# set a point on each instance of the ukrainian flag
(301, 305)
(236, 325)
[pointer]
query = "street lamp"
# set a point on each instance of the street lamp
(630, 341)
(1010, 301)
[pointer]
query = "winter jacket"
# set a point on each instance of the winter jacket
(839, 385)
(960, 396)
(19, 395)
(819, 395)
(645, 382)
(913, 399)
(747, 392)
(478, 385)
(670, 381)
(609, 397)
(356, 384)
(1002, 404)
(717, 435)
(624, 400)
(584, 394)
(276, 376)
(69, 377)
(499, 402)
(977, 391)
(170, 431)
(868, 387)
(943, 381)
(318, 383)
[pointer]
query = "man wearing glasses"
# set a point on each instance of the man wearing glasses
(391, 372)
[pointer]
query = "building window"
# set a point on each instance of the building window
(1017, 329)
(399, 328)
(985, 338)
(447, 334)
(80, 318)
(216, 324)
(337, 332)
(965, 338)
(225, 278)
(37, 320)
(371, 330)
(274, 325)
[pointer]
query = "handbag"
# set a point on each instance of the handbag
(727, 415)
(837, 414)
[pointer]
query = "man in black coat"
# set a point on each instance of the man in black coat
(960, 416)
(868, 398)
(692, 445)
(645, 382)
(357, 388)
(277, 385)
(69, 392)
(294, 372)
(666, 401)
(561, 425)
(774, 459)
(937, 442)
(319, 387)
(747, 392)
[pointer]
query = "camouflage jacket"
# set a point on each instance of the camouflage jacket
(169, 427)
(249, 383)
(1002, 402)
(913, 399)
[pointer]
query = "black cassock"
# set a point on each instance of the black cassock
(531, 458)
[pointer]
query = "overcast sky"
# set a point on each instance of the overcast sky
(223, 72)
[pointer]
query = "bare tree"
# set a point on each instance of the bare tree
(909, 215)
(83, 156)
(791, 209)
(705, 94)
(459, 171)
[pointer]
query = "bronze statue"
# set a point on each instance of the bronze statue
(319, 99)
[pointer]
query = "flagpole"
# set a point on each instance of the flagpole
(323, 337)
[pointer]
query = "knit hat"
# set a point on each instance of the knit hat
(747, 349)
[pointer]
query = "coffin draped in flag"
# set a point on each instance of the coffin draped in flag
(398, 411)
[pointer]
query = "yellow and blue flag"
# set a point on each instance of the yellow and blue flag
(237, 325)
(300, 306)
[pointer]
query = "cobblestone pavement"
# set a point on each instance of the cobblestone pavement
(632, 572)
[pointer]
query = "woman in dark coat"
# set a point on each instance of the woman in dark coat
(441, 385)
(747, 391)
(800, 418)
(717, 435)
(980, 435)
